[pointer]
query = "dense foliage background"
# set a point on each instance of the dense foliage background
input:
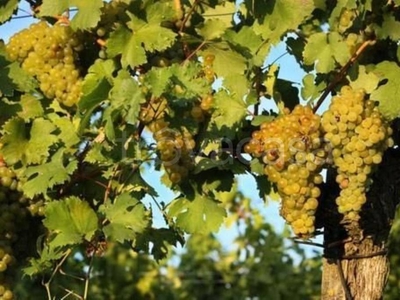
(96, 95)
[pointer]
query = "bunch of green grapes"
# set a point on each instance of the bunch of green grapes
(208, 67)
(291, 148)
(346, 19)
(358, 136)
(175, 147)
(13, 216)
(50, 53)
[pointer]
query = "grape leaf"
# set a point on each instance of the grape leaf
(388, 93)
(237, 84)
(310, 89)
(258, 120)
(67, 134)
(157, 241)
(223, 13)
(70, 220)
(201, 215)
(325, 50)
(256, 166)
(225, 56)
(7, 9)
(264, 186)
(87, 16)
(230, 110)
(212, 29)
(282, 16)
(45, 176)
(365, 80)
(126, 96)
(44, 262)
(31, 146)
(189, 79)
(389, 28)
(22, 80)
(157, 79)
(97, 84)
(127, 217)
(31, 107)
(248, 44)
(132, 41)
(270, 80)
(7, 87)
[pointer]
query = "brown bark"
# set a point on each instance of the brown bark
(355, 265)
(364, 276)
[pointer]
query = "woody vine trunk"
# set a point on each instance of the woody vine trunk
(355, 264)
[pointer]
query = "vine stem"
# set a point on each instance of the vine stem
(188, 15)
(343, 280)
(194, 52)
(58, 267)
(342, 73)
(87, 278)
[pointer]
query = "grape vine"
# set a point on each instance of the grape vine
(99, 102)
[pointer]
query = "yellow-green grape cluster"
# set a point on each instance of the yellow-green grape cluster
(49, 54)
(358, 136)
(353, 41)
(208, 67)
(346, 19)
(175, 148)
(291, 148)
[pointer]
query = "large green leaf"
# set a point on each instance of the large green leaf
(201, 215)
(132, 41)
(71, 221)
(87, 16)
(7, 9)
(45, 176)
(126, 218)
(388, 93)
(31, 146)
(282, 17)
(325, 50)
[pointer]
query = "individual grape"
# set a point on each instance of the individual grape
(206, 103)
(290, 147)
(359, 136)
(197, 113)
(49, 54)
(208, 67)
(101, 31)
